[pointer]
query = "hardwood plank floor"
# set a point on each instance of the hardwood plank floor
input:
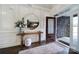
(16, 49)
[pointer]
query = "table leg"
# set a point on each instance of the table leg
(39, 38)
(21, 43)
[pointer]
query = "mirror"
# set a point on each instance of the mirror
(32, 21)
(32, 25)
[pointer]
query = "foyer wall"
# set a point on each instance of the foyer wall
(9, 14)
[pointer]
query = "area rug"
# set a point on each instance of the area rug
(51, 48)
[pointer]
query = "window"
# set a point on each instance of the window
(75, 29)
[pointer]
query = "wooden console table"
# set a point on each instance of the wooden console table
(30, 33)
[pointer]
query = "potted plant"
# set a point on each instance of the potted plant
(20, 24)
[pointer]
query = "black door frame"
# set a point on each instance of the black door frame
(53, 18)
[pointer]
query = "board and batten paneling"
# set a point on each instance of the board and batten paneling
(9, 14)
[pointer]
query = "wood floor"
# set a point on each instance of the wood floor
(16, 49)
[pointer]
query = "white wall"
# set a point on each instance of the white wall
(73, 43)
(9, 14)
(74, 9)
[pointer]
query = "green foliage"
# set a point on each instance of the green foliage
(20, 23)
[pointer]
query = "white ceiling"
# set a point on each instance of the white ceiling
(49, 6)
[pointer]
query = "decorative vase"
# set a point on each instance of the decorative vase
(28, 42)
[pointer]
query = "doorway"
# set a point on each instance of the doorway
(50, 29)
(63, 29)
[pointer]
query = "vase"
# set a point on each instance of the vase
(28, 42)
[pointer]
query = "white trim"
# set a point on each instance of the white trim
(56, 29)
(71, 30)
(78, 32)
(8, 32)
(63, 44)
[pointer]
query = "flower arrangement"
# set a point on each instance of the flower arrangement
(20, 24)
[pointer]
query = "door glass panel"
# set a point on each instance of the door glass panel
(75, 21)
(75, 32)
(50, 26)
